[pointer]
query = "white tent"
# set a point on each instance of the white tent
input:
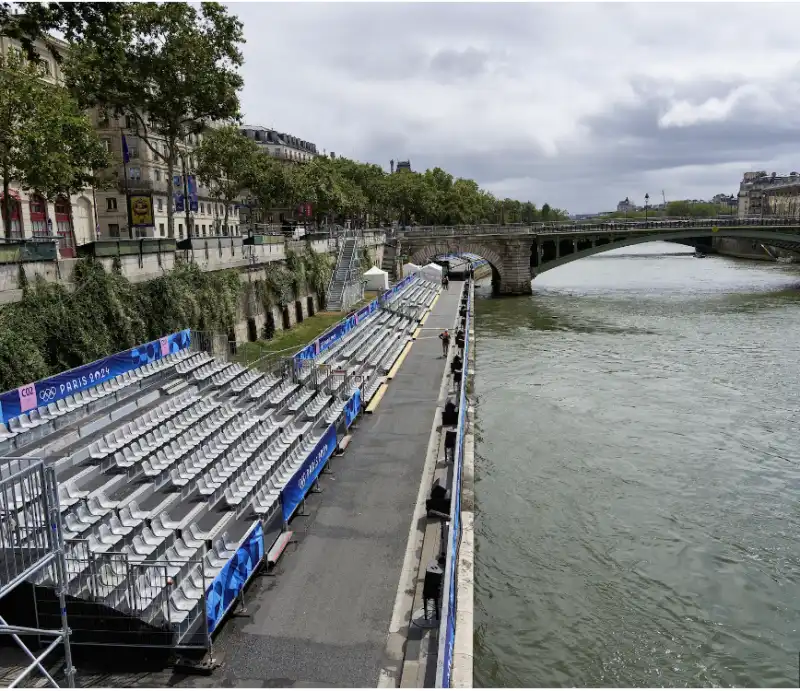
(433, 272)
(376, 279)
(409, 269)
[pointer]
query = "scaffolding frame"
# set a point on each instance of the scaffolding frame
(31, 541)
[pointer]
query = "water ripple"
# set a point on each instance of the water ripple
(637, 477)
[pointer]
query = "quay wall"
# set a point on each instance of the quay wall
(750, 249)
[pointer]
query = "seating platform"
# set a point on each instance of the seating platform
(174, 466)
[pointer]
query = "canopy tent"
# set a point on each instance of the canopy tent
(409, 269)
(376, 279)
(433, 272)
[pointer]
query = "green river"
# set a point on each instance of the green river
(638, 475)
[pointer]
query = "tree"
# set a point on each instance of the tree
(99, 23)
(46, 143)
(172, 72)
(225, 163)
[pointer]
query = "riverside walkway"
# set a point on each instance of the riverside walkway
(323, 620)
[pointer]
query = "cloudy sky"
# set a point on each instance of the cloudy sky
(579, 105)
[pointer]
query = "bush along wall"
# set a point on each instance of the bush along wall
(52, 329)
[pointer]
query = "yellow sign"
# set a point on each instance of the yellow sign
(141, 208)
(714, 229)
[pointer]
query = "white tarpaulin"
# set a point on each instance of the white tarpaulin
(376, 279)
(409, 269)
(433, 272)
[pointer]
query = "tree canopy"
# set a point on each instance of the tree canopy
(47, 144)
(342, 188)
(172, 70)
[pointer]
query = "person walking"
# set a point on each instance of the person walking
(446, 282)
(445, 336)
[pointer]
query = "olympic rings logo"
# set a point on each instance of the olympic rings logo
(48, 395)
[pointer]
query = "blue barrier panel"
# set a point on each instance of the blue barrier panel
(447, 626)
(343, 327)
(37, 394)
(366, 311)
(297, 488)
(224, 589)
(352, 408)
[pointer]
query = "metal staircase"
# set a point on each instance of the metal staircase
(345, 287)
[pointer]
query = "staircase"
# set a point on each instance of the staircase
(345, 287)
(391, 253)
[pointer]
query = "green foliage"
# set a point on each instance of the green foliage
(340, 189)
(46, 143)
(678, 209)
(53, 329)
(173, 70)
(225, 163)
(99, 23)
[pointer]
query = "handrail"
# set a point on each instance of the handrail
(620, 225)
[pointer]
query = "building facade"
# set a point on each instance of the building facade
(762, 194)
(285, 147)
(72, 220)
(147, 172)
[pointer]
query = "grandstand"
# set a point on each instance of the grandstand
(177, 476)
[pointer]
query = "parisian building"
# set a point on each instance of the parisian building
(72, 220)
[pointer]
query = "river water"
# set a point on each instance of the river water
(638, 475)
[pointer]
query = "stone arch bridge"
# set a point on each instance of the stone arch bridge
(518, 253)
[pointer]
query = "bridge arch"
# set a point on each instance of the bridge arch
(423, 255)
(691, 238)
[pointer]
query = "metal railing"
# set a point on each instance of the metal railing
(31, 543)
(611, 224)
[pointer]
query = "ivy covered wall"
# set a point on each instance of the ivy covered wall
(52, 329)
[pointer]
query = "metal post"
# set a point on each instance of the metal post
(61, 566)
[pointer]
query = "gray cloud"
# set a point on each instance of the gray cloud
(579, 105)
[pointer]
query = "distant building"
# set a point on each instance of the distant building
(625, 206)
(284, 146)
(404, 165)
(769, 195)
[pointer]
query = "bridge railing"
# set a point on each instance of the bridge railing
(616, 224)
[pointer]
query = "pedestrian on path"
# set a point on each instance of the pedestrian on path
(446, 282)
(445, 336)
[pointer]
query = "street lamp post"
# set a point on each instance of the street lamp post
(627, 205)
(646, 204)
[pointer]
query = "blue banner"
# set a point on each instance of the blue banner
(346, 325)
(352, 409)
(229, 582)
(297, 488)
(38, 394)
(177, 192)
(191, 185)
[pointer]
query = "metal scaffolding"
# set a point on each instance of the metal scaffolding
(30, 542)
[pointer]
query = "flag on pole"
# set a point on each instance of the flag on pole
(125, 155)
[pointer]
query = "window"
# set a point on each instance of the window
(160, 204)
(135, 173)
(113, 230)
(38, 220)
(128, 121)
(160, 225)
(111, 204)
(180, 231)
(133, 146)
(157, 174)
(106, 144)
(202, 208)
(204, 229)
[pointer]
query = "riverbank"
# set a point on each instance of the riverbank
(751, 249)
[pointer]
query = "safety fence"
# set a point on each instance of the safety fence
(447, 625)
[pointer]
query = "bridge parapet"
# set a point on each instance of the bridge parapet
(660, 224)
